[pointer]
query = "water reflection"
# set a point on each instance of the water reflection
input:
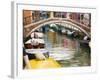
(67, 50)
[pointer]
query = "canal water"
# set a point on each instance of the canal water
(66, 50)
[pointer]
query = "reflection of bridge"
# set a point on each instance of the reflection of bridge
(28, 29)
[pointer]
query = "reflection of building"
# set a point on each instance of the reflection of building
(53, 38)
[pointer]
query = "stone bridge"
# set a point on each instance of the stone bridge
(28, 29)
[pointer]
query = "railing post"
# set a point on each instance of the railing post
(68, 16)
(51, 14)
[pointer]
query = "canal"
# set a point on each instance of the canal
(67, 50)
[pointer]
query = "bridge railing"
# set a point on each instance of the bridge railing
(30, 19)
(36, 22)
(60, 19)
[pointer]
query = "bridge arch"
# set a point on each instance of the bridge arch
(77, 25)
